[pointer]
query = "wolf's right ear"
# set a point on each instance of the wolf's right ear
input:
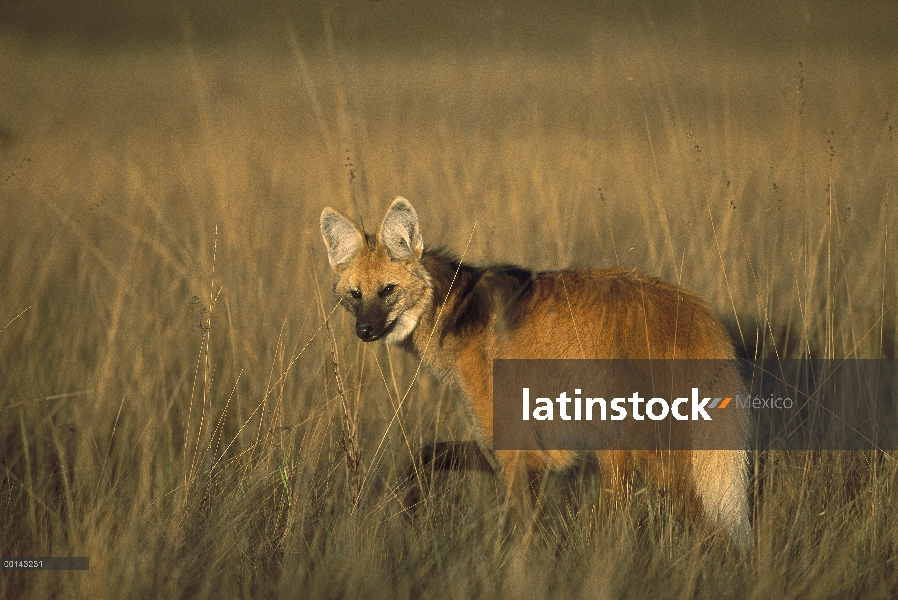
(399, 233)
(342, 237)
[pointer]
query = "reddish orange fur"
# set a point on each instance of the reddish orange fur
(468, 316)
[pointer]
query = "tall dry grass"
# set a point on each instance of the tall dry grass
(170, 407)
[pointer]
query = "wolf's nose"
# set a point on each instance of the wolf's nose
(364, 330)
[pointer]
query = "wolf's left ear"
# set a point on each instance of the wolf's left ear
(398, 232)
(342, 238)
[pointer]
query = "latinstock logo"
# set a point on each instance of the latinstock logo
(694, 404)
(656, 409)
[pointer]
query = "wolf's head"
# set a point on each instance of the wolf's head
(380, 278)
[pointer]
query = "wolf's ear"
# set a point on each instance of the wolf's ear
(342, 237)
(398, 232)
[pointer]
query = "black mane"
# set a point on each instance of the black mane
(477, 292)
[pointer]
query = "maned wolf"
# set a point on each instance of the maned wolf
(459, 318)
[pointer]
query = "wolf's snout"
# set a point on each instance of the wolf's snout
(365, 331)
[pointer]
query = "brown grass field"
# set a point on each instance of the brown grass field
(168, 404)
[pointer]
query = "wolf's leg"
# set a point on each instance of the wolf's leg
(521, 474)
(617, 469)
(671, 471)
(465, 455)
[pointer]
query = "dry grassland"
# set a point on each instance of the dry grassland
(169, 406)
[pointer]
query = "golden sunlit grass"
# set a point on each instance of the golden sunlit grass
(169, 404)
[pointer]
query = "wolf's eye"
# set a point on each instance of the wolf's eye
(355, 294)
(388, 289)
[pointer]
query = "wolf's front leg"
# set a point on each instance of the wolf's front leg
(465, 455)
(521, 474)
